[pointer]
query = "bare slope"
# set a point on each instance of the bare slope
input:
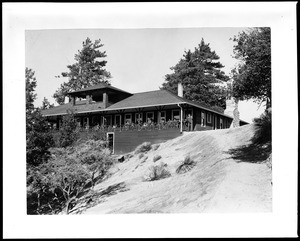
(221, 181)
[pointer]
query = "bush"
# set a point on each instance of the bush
(68, 174)
(68, 133)
(186, 165)
(155, 147)
(38, 138)
(263, 132)
(158, 172)
(156, 158)
(146, 146)
(144, 159)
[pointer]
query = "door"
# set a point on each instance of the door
(118, 120)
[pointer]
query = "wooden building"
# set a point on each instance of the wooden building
(130, 119)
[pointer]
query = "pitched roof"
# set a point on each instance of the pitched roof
(80, 107)
(98, 87)
(138, 100)
(145, 99)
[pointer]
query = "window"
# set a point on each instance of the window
(202, 119)
(107, 120)
(118, 120)
(128, 118)
(208, 118)
(138, 118)
(176, 115)
(150, 117)
(162, 116)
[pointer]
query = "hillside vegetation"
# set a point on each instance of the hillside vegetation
(207, 171)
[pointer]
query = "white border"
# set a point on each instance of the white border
(280, 16)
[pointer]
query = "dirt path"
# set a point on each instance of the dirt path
(218, 182)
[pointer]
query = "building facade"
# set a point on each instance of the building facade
(130, 119)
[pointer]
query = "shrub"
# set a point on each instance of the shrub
(144, 159)
(186, 165)
(68, 133)
(155, 147)
(128, 156)
(156, 158)
(263, 132)
(68, 174)
(38, 138)
(158, 172)
(144, 147)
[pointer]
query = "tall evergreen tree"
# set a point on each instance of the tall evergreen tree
(38, 138)
(252, 77)
(30, 87)
(87, 70)
(200, 73)
(46, 104)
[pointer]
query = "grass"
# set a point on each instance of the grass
(186, 165)
(144, 147)
(156, 158)
(158, 172)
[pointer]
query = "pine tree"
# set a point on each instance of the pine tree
(30, 87)
(87, 70)
(200, 73)
(252, 77)
(46, 104)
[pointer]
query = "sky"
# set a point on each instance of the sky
(138, 59)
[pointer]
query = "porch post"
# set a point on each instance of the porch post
(181, 117)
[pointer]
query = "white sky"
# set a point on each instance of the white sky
(19, 17)
(138, 59)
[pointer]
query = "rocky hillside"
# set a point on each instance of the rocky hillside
(223, 172)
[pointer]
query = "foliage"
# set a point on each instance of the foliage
(200, 73)
(68, 132)
(252, 77)
(30, 87)
(46, 104)
(158, 172)
(87, 70)
(38, 138)
(156, 158)
(155, 147)
(186, 165)
(66, 176)
(141, 155)
(144, 147)
(263, 132)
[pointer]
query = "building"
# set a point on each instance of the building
(130, 119)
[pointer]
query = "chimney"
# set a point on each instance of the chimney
(180, 90)
(105, 100)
